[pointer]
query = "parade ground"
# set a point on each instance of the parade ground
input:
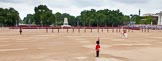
(39, 45)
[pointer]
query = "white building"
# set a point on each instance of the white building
(149, 14)
(159, 18)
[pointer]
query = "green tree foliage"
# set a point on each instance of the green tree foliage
(29, 19)
(143, 20)
(148, 20)
(104, 17)
(136, 19)
(9, 17)
(88, 17)
(43, 16)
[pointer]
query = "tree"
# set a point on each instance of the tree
(104, 17)
(58, 18)
(42, 15)
(29, 19)
(78, 19)
(148, 20)
(9, 17)
(136, 19)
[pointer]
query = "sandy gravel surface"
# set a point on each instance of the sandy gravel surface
(37, 45)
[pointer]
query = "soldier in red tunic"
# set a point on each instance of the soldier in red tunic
(97, 47)
(20, 30)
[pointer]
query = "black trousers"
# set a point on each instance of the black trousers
(97, 53)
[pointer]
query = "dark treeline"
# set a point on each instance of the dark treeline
(9, 17)
(104, 17)
(43, 16)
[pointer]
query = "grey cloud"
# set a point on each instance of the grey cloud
(87, 3)
(76, 3)
(11, 1)
(59, 3)
(55, 3)
(132, 1)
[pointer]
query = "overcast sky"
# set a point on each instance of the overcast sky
(74, 7)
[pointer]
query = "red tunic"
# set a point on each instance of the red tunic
(97, 47)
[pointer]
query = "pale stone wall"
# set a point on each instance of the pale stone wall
(160, 19)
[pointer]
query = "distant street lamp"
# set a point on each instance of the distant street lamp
(16, 23)
(41, 23)
(77, 22)
(130, 22)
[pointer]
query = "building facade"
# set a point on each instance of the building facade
(159, 18)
